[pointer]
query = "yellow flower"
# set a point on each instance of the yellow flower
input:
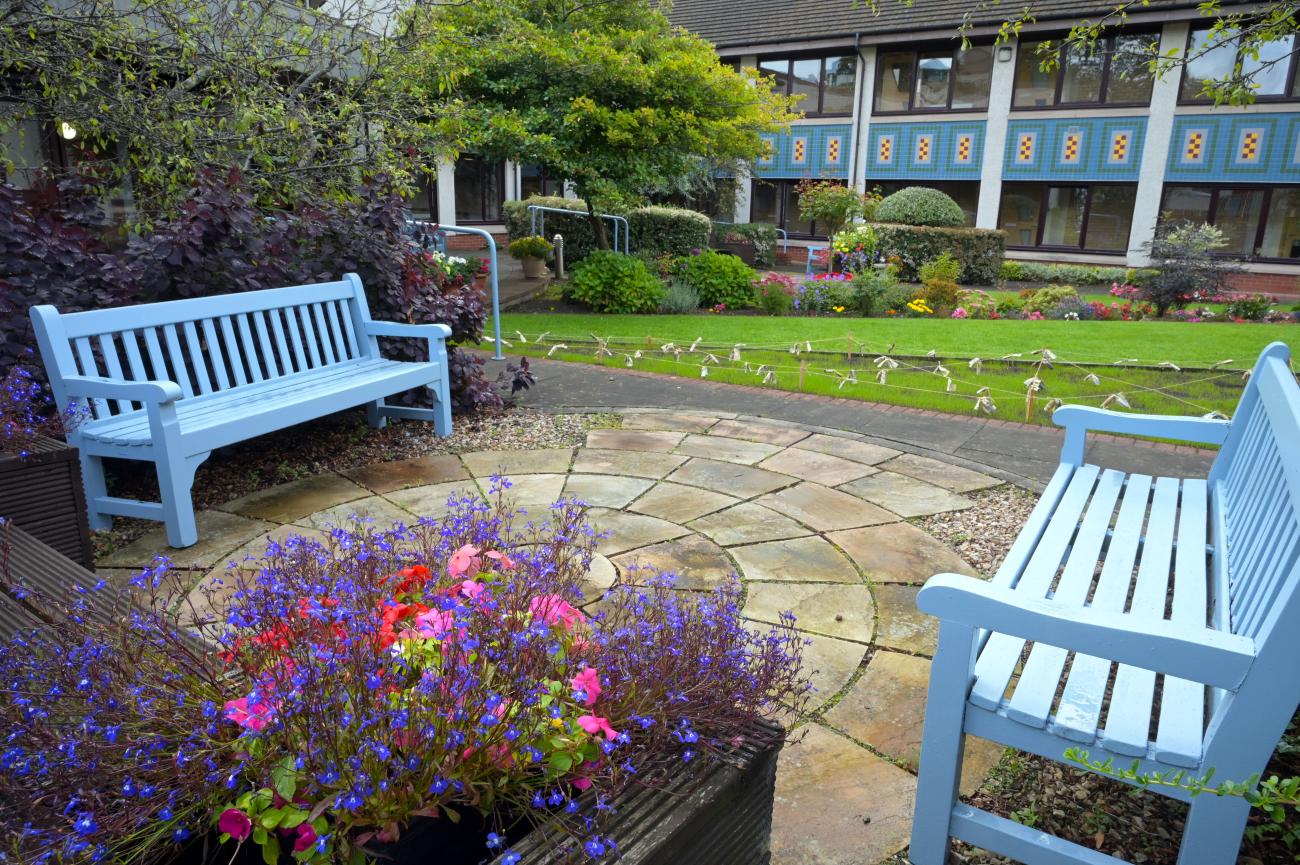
(838, 308)
(557, 723)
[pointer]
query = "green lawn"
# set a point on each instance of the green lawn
(1082, 349)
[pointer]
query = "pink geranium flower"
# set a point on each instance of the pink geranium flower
(306, 838)
(435, 623)
(235, 823)
(553, 609)
(463, 561)
(471, 589)
(250, 714)
(501, 559)
(594, 724)
(588, 682)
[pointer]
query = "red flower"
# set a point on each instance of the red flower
(235, 823)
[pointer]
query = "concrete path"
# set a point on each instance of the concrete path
(812, 521)
(1020, 453)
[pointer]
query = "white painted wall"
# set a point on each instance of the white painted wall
(1155, 147)
(995, 138)
(446, 192)
(862, 117)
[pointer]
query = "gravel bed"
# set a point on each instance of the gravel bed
(341, 441)
(1083, 807)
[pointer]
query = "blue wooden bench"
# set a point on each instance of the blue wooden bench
(1154, 619)
(168, 382)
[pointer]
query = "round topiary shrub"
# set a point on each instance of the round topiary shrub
(920, 205)
(721, 279)
(613, 282)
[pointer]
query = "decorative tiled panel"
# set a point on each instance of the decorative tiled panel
(1253, 148)
(916, 151)
(808, 151)
(1097, 148)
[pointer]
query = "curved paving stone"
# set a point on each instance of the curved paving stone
(635, 463)
(420, 471)
(941, 474)
(849, 449)
(811, 559)
(532, 493)
(667, 421)
(375, 509)
(831, 664)
(605, 491)
(626, 531)
(293, 501)
(680, 504)
(824, 509)
(899, 553)
(772, 434)
(219, 534)
(431, 501)
(747, 523)
(906, 496)
(833, 610)
(698, 562)
(816, 467)
(487, 463)
(736, 480)
(653, 441)
(902, 625)
(599, 579)
(725, 449)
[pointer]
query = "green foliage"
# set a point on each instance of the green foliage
(1187, 268)
(773, 294)
(721, 278)
(671, 230)
(920, 205)
(531, 246)
(579, 239)
(945, 268)
(875, 291)
(1073, 274)
(1048, 298)
(831, 205)
(613, 282)
(679, 298)
(1250, 307)
(979, 251)
(158, 91)
(761, 234)
(607, 95)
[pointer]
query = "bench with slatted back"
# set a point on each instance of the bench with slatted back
(169, 382)
(1148, 619)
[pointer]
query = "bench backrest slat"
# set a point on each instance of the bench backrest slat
(211, 344)
(1256, 481)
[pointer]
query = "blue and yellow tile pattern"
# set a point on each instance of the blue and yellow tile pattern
(1228, 147)
(917, 151)
(808, 151)
(1100, 148)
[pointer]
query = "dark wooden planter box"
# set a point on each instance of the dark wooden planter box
(745, 251)
(33, 573)
(710, 813)
(42, 493)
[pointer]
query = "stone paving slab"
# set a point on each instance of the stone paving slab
(606, 491)
(420, 471)
(747, 523)
(758, 432)
(219, 533)
(533, 493)
(861, 452)
(680, 504)
(666, 421)
(431, 501)
(375, 509)
(655, 441)
(838, 804)
(833, 610)
(899, 553)
(698, 562)
(296, 499)
(941, 474)
(633, 463)
(831, 664)
(809, 559)
(824, 509)
(518, 462)
(901, 625)
(628, 531)
(906, 496)
(726, 449)
(816, 467)
(742, 481)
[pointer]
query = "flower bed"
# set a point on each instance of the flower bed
(443, 671)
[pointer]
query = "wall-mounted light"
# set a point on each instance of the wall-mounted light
(1004, 53)
(67, 130)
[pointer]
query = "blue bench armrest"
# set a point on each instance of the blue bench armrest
(100, 387)
(1079, 420)
(403, 329)
(1199, 654)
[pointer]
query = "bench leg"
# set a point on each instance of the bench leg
(1215, 826)
(441, 409)
(941, 745)
(175, 482)
(375, 414)
(92, 480)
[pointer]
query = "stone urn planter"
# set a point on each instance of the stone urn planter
(534, 268)
(42, 494)
(532, 252)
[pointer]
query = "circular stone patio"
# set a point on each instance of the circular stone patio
(812, 521)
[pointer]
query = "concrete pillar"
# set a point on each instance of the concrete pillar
(446, 192)
(744, 195)
(1001, 88)
(511, 171)
(866, 97)
(1155, 147)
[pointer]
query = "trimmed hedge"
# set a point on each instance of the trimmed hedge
(920, 205)
(979, 250)
(579, 239)
(672, 230)
(761, 234)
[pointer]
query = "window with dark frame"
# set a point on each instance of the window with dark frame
(480, 190)
(1114, 72)
(535, 180)
(825, 82)
(1086, 217)
(944, 79)
(1276, 71)
(1260, 222)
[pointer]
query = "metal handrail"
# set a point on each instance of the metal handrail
(492, 256)
(534, 209)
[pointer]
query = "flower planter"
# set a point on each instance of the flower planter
(534, 268)
(744, 251)
(42, 493)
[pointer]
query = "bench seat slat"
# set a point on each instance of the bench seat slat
(250, 350)
(1081, 703)
(213, 346)
(113, 366)
(264, 340)
(1036, 688)
(180, 373)
(195, 351)
(309, 334)
(232, 351)
(998, 661)
(1128, 720)
(327, 347)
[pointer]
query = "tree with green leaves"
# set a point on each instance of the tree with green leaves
(605, 93)
(298, 96)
